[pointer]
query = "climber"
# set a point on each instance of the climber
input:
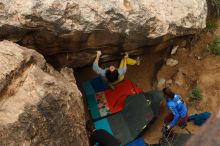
(101, 136)
(178, 110)
(112, 74)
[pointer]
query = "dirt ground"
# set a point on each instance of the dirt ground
(196, 66)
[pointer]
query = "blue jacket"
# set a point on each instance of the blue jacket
(177, 107)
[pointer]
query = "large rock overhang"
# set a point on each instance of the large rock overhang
(68, 33)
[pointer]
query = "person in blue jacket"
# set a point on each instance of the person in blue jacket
(178, 110)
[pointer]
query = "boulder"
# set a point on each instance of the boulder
(179, 78)
(161, 83)
(171, 62)
(174, 50)
(68, 32)
(39, 105)
(169, 83)
(208, 134)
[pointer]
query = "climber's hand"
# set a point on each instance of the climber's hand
(168, 127)
(98, 53)
(126, 55)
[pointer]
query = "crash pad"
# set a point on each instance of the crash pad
(103, 123)
(99, 84)
(90, 88)
(137, 142)
(155, 96)
(132, 120)
(116, 97)
(107, 102)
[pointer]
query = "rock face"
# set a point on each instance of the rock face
(171, 62)
(208, 134)
(39, 105)
(68, 32)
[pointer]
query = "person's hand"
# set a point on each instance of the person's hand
(168, 127)
(164, 129)
(126, 55)
(98, 53)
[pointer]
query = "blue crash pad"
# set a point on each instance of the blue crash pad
(103, 124)
(90, 88)
(99, 84)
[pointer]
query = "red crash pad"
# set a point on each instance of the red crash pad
(116, 97)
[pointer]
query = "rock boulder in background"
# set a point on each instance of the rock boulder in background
(67, 32)
(38, 105)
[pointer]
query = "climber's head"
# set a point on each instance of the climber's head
(112, 74)
(111, 68)
(167, 92)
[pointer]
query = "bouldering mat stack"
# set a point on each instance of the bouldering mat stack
(129, 123)
(108, 101)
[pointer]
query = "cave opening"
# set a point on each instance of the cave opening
(143, 75)
(62, 52)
